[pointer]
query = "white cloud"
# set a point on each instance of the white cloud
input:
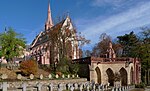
(114, 3)
(127, 20)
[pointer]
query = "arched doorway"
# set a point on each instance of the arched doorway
(123, 74)
(98, 75)
(110, 75)
(131, 76)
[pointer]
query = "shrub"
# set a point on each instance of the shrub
(59, 74)
(28, 67)
(63, 66)
(141, 85)
(117, 77)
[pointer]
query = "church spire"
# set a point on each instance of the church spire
(49, 22)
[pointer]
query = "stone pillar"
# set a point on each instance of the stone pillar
(24, 87)
(93, 75)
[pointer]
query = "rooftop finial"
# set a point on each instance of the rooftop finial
(67, 14)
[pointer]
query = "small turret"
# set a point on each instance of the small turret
(111, 52)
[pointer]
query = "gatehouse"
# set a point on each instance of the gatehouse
(112, 69)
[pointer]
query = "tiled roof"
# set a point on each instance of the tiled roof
(44, 36)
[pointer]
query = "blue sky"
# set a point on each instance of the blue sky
(90, 17)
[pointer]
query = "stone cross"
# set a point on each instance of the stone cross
(51, 86)
(125, 88)
(102, 87)
(76, 86)
(60, 87)
(122, 88)
(119, 89)
(106, 87)
(39, 85)
(1, 85)
(88, 88)
(113, 89)
(99, 87)
(84, 85)
(24, 86)
(68, 85)
(72, 88)
(116, 89)
(81, 87)
(64, 87)
(94, 87)
(5, 85)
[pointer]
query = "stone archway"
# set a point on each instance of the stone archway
(110, 75)
(98, 75)
(131, 76)
(123, 74)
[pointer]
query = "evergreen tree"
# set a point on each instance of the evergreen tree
(12, 44)
(129, 43)
(144, 52)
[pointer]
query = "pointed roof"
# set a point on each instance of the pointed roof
(43, 36)
(49, 22)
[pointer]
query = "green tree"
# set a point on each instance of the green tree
(0, 53)
(144, 52)
(12, 44)
(134, 46)
(129, 43)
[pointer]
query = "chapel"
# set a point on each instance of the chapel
(46, 47)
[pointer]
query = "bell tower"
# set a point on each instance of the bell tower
(48, 23)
